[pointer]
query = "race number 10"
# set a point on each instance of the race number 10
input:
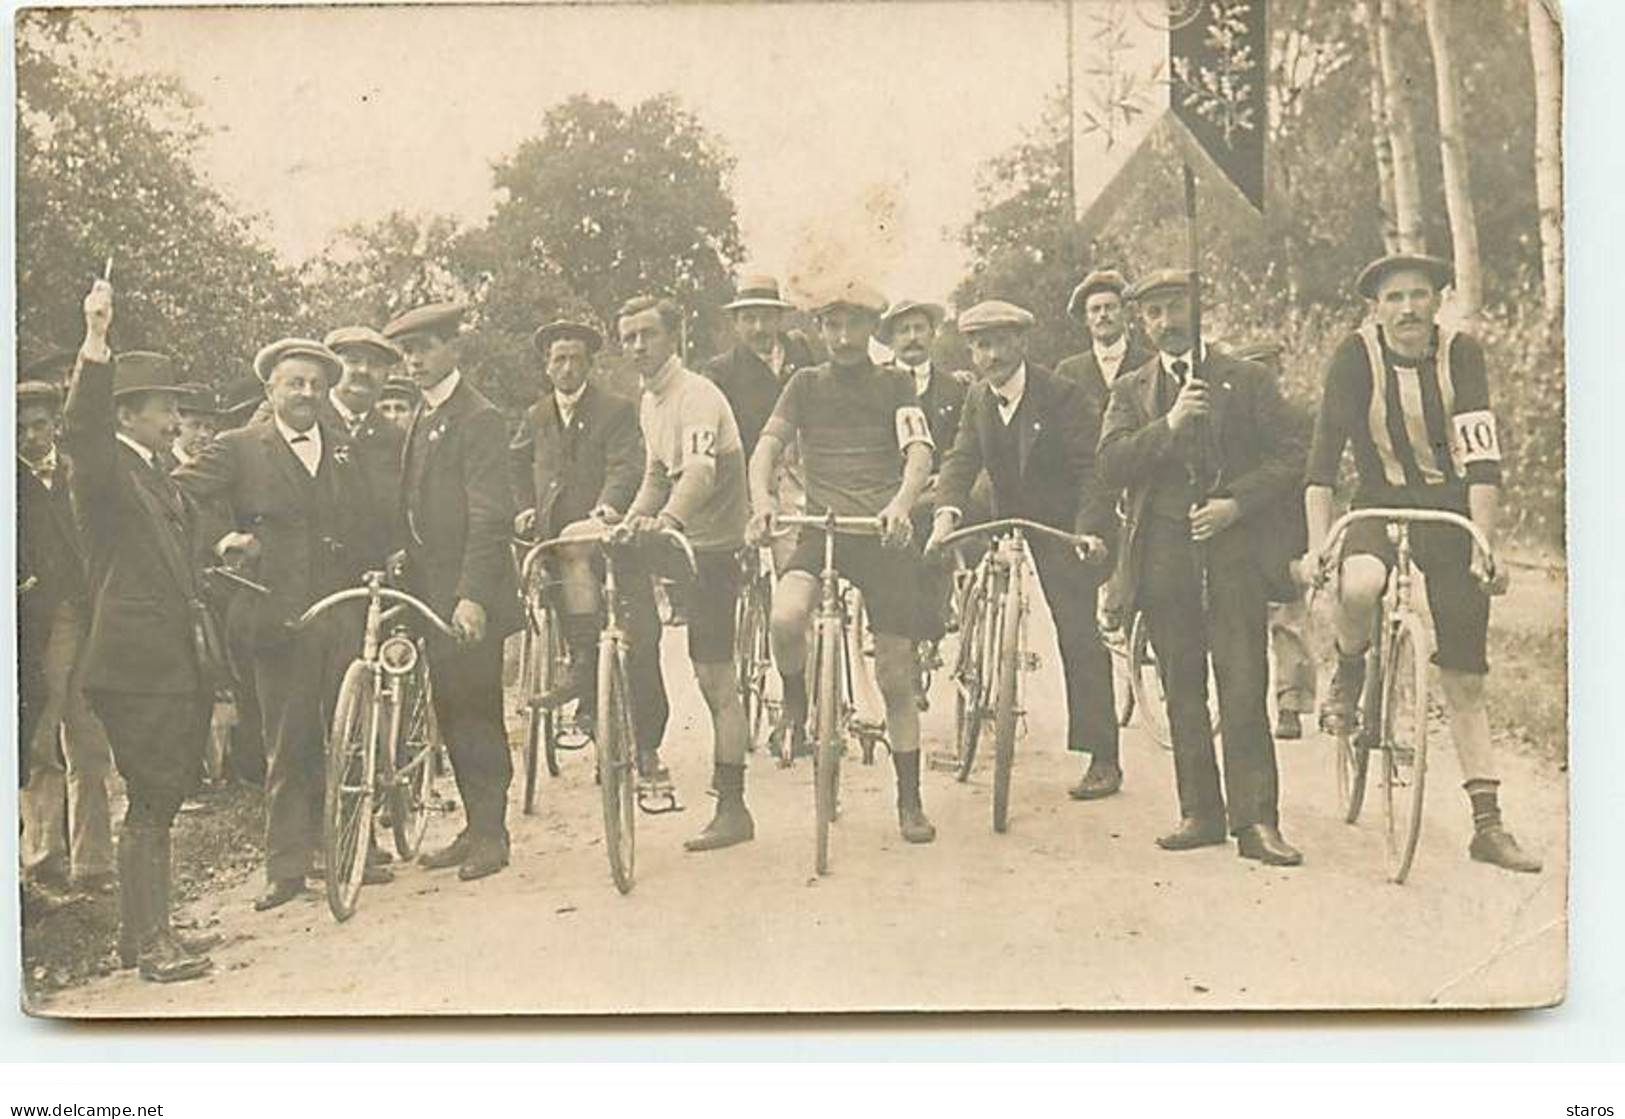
(1476, 438)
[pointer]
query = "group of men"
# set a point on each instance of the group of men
(1174, 459)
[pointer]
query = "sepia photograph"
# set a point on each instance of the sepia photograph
(791, 507)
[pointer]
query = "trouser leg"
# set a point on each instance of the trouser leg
(468, 705)
(1070, 590)
(1170, 595)
(289, 682)
(44, 800)
(1238, 624)
(89, 766)
(1294, 671)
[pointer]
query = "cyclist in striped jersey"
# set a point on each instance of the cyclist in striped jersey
(1412, 398)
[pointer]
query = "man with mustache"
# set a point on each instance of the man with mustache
(354, 404)
(300, 519)
(1412, 397)
(1201, 444)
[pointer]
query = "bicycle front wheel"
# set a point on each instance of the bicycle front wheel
(827, 724)
(417, 748)
(1004, 705)
(352, 764)
(617, 783)
(1404, 744)
(972, 674)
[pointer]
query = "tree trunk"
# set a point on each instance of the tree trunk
(1458, 191)
(1546, 46)
(1402, 136)
(1381, 140)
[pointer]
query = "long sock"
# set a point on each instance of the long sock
(1485, 798)
(908, 778)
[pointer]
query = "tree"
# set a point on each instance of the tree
(105, 170)
(614, 203)
(1381, 141)
(1401, 126)
(1546, 51)
(1458, 193)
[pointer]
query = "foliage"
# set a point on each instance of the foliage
(104, 170)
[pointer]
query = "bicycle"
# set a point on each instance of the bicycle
(753, 652)
(1391, 718)
(621, 789)
(829, 671)
(383, 749)
(993, 647)
(543, 661)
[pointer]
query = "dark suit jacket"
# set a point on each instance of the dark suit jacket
(1055, 483)
(943, 404)
(457, 508)
(566, 474)
(138, 531)
(1260, 463)
(1085, 370)
(750, 386)
(378, 445)
(317, 535)
(47, 543)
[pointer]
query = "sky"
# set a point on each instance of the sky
(858, 128)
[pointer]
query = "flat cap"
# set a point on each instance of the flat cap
(344, 336)
(991, 314)
(579, 331)
(1163, 279)
(144, 371)
(429, 318)
(934, 311)
(851, 293)
(757, 291)
(400, 388)
(267, 359)
(38, 392)
(1101, 279)
(1439, 272)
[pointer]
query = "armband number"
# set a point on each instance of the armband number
(700, 442)
(912, 426)
(1476, 437)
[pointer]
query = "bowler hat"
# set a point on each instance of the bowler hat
(144, 371)
(850, 293)
(431, 318)
(932, 311)
(757, 291)
(579, 331)
(196, 398)
(284, 348)
(239, 399)
(1440, 273)
(991, 314)
(1163, 279)
(340, 337)
(1101, 279)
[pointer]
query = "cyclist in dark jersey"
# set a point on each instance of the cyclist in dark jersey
(866, 451)
(1412, 397)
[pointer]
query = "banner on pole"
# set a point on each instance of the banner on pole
(1218, 58)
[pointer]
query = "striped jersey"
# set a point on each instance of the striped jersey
(1412, 424)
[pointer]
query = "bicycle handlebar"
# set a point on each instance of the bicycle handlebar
(1341, 526)
(389, 594)
(847, 526)
(237, 578)
(1018, 524)
(603, 537)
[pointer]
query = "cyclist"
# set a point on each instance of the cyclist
(694, 481)
(1426, 440)
(866, 449)
(1035, 437)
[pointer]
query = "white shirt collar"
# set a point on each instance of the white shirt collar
(567, 401)
(289, 434)
(436, 395)
(181, 457)
(1168, 360)
(665, 376)
(46, 465)
(147, 455)
(922, 376)
(1114, 352)
(1011, 392)
(350, 418)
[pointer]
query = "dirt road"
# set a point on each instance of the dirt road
(1075, 907)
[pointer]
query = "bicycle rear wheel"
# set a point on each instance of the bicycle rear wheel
(352, 762)
(417, 744)
(617, 783)
(1404, 744)
(827, 727)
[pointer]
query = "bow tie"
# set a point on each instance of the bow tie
(302, 437)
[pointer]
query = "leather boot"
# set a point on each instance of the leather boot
(162, 959)
(452, 854)
(197, 944)
(732, 823)
(912, 822)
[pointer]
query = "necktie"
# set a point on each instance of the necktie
(1181, 369)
